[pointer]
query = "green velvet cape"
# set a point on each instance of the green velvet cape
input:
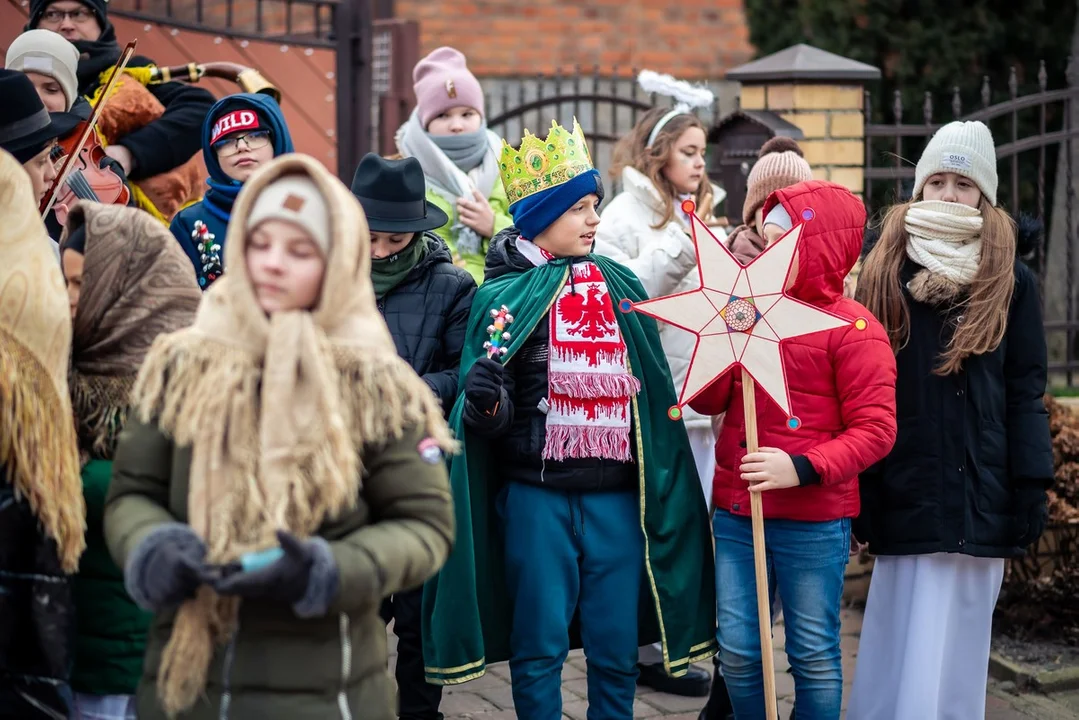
(466, 609)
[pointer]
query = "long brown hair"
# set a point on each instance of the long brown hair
(633, 151)
(984, 305)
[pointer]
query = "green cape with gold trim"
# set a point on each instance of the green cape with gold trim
(466, 610)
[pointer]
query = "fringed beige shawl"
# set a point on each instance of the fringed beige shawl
(278, 411)
(37, 434)
(137, 283)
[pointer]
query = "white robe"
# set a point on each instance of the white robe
(924, 649)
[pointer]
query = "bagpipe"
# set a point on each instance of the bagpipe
(249, 79)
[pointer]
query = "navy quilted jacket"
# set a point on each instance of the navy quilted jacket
(427, 314)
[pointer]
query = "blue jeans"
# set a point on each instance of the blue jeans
(806, 564)
(569, 551)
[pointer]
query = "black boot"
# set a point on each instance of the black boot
(719, 702)
(693, 684)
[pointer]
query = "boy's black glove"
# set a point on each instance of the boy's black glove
(1031, 514)
(483, 386)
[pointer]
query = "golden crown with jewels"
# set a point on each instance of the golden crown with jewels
(542, 164)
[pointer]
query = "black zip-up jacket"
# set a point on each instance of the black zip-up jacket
(520, 423)
(37, 616)
(427, 315)
(973, 454)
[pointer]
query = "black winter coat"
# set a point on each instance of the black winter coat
(519, 423)
(973, 453)
(36, 617)
(427, 315)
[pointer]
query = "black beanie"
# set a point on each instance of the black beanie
(38, 7)
(76, 240)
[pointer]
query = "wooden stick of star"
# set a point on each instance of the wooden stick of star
(760, 562)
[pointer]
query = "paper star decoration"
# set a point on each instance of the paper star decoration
(740, 314)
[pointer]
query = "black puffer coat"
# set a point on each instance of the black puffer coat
(973, 454)
(519, 423)
(427, 315)
(36, 617)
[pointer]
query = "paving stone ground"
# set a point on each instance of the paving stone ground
(489, 697)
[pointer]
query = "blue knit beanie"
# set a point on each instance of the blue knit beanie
(537, 212)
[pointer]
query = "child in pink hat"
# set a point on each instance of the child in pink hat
(448, 134)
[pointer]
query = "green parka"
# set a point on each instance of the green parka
(277, 666)
(110, 639)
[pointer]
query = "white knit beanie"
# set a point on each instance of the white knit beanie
(46, 53)
(964, 148)
(295, 199)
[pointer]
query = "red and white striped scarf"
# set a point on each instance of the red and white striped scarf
(590, 386)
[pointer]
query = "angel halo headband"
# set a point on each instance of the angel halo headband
(687, 96)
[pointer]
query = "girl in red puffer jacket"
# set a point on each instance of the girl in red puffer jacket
(842, 386)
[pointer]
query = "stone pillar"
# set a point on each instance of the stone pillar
(823, 95)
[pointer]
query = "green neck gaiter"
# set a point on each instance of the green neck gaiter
(387, 273)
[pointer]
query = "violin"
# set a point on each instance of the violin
(81, 176)
(88, 180)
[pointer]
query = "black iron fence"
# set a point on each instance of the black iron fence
(306, 22)
(345, 26)
(607, 107)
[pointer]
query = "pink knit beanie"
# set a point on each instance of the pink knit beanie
(442, 81)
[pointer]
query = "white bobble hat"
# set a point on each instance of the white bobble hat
(46, 53)
(964, 148)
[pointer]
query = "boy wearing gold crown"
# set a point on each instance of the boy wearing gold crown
(575, 494)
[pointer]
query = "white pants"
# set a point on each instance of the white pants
(104, 707)
(924, 650)
(703, 444)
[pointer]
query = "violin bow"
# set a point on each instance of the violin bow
(91, 124)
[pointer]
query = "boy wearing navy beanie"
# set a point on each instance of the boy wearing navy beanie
(567, 452)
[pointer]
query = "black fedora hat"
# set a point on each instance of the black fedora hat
(25, 125)
(393, 194)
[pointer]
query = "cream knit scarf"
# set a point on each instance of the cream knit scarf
(945, 239)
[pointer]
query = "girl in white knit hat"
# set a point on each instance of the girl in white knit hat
(50, 61)
(964, 487)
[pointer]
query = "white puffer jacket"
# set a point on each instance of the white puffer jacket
(664, 260)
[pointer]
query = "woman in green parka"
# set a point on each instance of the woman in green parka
(283, 475)
(128, 282)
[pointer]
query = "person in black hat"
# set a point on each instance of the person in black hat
(28, 131)
(425, 300)
(161, 145)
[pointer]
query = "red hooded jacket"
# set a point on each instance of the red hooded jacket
(841, 381)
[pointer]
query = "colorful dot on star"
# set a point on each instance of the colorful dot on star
(808, 214)
(675, 413)
(625, 305)
(794, 423)
(861, 324)
(740, 314)
(688, 206)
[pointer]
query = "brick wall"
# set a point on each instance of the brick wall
(692, 39)
(832, 120)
